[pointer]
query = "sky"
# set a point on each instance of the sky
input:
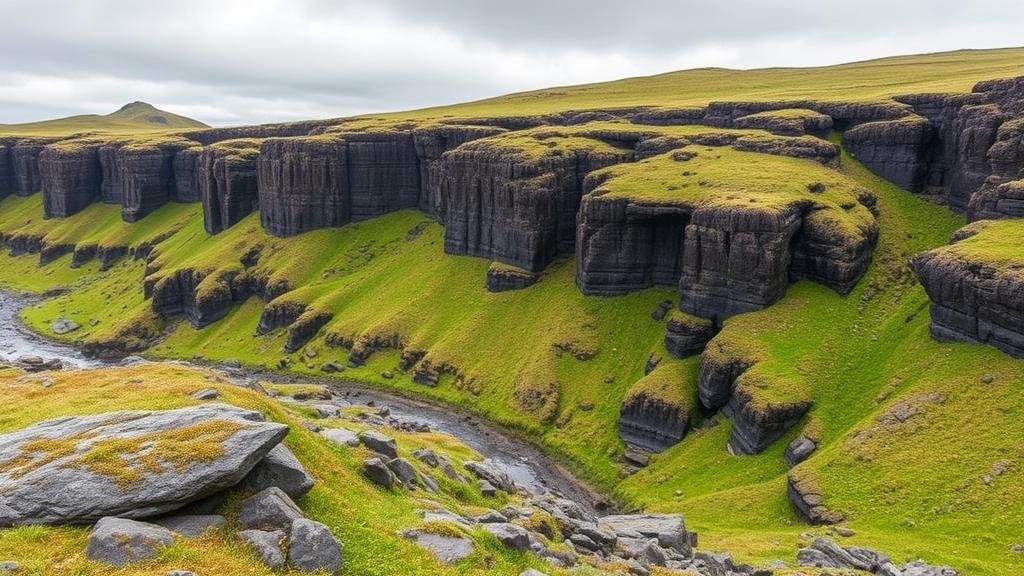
(229, 62)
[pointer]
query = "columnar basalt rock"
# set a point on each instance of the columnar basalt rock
(25, 165)
(509, 201)
(111, 188)
(228, 183)
(6, 170)
(187, 171)
(303, 184)
(147, 178)
(431, 143)
(71, 177)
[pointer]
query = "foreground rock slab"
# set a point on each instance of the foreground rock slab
(312, 547)
(120, 542)
(447, 549)
(132, 464)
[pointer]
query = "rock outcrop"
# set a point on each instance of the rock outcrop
(147, 178)
(78, 469)
(71, 178)
(228, 183)
(976, 298)
(502, 278)
(24, 165)
(897, 150)
(655, 414)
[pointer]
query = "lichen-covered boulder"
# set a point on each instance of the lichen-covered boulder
(313, 548)
(132, 464)
(120, 542)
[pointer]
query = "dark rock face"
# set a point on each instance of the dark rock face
(502, 204)
(71, 178)
(227, 184)
(302, 185)
(186, 175)
(24, 162)
(808, 502)
(431, 143)
(973, 301)
(687, 335)
(651, 423)
(755, 428)
(111, 189)
(201, 297)
(147, 179)
(897, 150)
(6, 170)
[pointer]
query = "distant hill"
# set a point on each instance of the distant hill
(132, 117)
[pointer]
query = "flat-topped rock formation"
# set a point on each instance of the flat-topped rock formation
(227, 182)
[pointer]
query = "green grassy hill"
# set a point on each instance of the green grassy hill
(920, 441)
(133, 117)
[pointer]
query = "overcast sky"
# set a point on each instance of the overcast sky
(248, 61)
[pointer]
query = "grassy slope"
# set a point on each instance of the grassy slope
(868, 80)
(919, 495)
(134, 117)
(364, 517)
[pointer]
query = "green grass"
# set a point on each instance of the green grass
(871, 80)
(135, 118)
(993, 242)
(364, 517)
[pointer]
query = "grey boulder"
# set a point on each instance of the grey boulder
(119, 541)
(379, 443)
(63, 326)
(447, 549)
(341, 436)
(51, 486)
(266, 545)
(490, 471)
(800, 449)
(191, 525)
(404, 471)
(312, 547)
(378, 472)
(511, 535)
(668, 529)
(282, 469)
(269, 510)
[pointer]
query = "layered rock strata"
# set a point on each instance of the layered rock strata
(71, 178)
(228, 183)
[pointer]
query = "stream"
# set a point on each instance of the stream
(527, 465)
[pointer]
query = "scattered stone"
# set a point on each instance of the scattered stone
(489, 471)
(659, 313)
(842, 531)
(62, 326)
(206, 394)
(279, 468)
(987, 379)
(511, 535)
(327, 410)
(532, 572)
(312, 547)
(503, 277)
(447, 549)
(799, 450)
(309, 353)
(51, 488)
(379, 443)
(341, 436)
(379, 473)
(332, 366)
(267, 546)
(808, 501)
(270, 509)
(387, 374)
(191, 525)
(9, 567)
(427, 456)
(120, 541)
(1018, 548)
(492, 517)
(582, 541)
(652, 362)
(175, 573)
(487, 489)
(404, 471)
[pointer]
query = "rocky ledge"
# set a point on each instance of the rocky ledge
(976, 286)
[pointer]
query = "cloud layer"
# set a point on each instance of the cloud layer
(237, 61)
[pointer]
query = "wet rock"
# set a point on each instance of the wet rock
(270, 509)
(799, 450)
(312, 547)
(267, 546)
(379, 443)
(191, 525)
(279, 468)
(378, 472)
(63, 326)
(120, 542)
(447, 549)
(53, 489)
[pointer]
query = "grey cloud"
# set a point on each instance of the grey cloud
(238, 61)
